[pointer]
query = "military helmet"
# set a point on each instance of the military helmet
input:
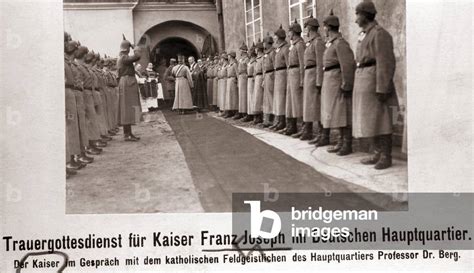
(125, 44)
(259, 44)
(71, 46)
(90, 56)
(331, 20)
(366, 6)
(67, 37)
(280, 33)
(244, 47)
(81, 51)
(268, 39)
(311, 21)
(295, 27)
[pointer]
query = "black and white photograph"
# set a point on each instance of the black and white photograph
(172, 106)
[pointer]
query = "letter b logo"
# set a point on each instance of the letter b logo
(266, 224)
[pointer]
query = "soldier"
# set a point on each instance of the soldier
(232, 93)
(294, 96)
(72, 125)
(250, 85)
(373, 86)
(104, 95)
(258, 85)
(129, 105)
(93, 131)
(184, 83)
(210, 82)
(242, 82)
(336, 101)
(313, 78)
(221, 89)
(111, 86)
(279, 92)
(170, 80)
(215, 83)
(268, 81)
(80, 106)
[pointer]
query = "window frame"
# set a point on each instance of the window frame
(300, 3)
(255, 23)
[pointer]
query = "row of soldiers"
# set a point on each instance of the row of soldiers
(318, 81)
(92, 102)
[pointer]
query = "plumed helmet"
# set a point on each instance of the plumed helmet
(366, 6)
(295, 27)
(331, 20)
(280, 33)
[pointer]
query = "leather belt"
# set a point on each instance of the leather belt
(366, 64)
(258, 74)
(309, 66)
(293, 66)
(251, 76)
(270, 71)
(70, 86)
(331, 67)
(280, 68)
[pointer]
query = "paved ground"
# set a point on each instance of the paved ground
(194, 162)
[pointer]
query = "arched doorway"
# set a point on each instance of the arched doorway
(170, 48)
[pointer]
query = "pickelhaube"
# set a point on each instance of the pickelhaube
(366, 6)
(268, 39)
(67, 37)
(81, 51)
(125, 44)
(331, 20)
(252, 50)
(295, 27)
(90, 56)
(71, 46)
(280, 33)
(311, 21)
(244, 47)
(259, 44)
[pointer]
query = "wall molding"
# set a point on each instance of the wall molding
(100, 6)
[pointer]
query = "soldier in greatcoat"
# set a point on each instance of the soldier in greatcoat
(258, 85)
(170, 81)
(215, 83)
(336, 97)
(374, 91)
(295, 81)
(242, 81)
(222, 84)
(250, 84)
(268, 80)
(183, 100)
(279, 89)
(313, 78)
(129, 105)
(232, 92)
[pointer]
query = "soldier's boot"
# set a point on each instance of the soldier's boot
(281, 123)
(267, 120)
(307, 132)
(324, 138)
(318, 134)
(84, 158)
(75, 160)
(231, 114)
(346, 148)
(373, 159)
(299, 133)
(385, 160)
(291, 127)
(238, 116)
(92, 150)
(284, 129)
(276, 122)
(73, 165)
(340, 140)
(248, 118)
(258, 119)
(105, 138)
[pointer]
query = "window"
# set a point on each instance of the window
(253, 21)
(301, 9)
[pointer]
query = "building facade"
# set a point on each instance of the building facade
(204, 27)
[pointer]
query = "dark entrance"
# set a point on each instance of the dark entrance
(170, 48)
